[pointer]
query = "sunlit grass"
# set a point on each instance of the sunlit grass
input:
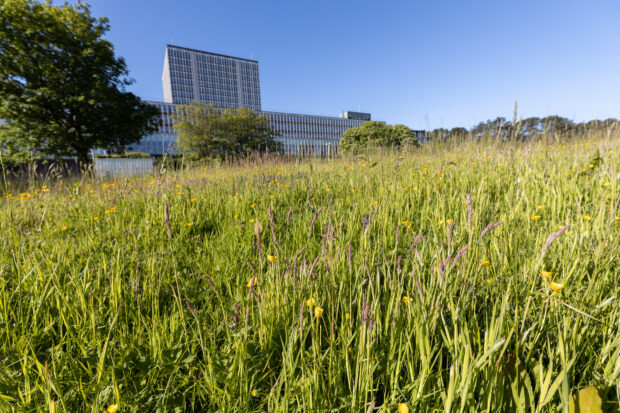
(442, 279)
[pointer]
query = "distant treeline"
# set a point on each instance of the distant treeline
(529, 128)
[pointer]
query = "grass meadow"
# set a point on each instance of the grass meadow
(460, 277)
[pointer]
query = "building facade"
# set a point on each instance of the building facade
(218, 80)
(229, 82)
(302, 135)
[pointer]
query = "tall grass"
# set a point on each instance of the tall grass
(104, 301)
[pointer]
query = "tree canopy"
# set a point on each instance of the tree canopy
(526, 129)
(373, 134)
(204, 130)
(62, 90)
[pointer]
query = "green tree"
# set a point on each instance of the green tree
(62, 90)
(403, 136)
(204, 130)
(373, 134)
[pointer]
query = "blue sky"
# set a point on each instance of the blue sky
(424, 64)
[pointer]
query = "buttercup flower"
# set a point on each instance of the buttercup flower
(318, 312)
(310, 302)
(556, 286)
(406, 300)
(545, 274)
(535, 217)
(402, 408)
(485, 263)
(272, 258)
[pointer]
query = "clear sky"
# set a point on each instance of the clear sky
(424, 64)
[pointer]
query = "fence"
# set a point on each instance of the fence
(123, 166)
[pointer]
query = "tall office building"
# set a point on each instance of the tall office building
(215, 79)
(231, 82)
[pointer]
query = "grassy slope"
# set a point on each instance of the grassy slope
(99, 306)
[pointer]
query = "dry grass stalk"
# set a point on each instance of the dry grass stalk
(489, 228)
(316, 215)
(272, 225)
(167, 219)
(552, 238)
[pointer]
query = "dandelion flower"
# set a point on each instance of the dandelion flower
(485, 263)
(113, 408)
(402, 408)
(189, 224)
(406, 300)
(318, 312)
(250, 284)
(96, 218)
(556, 286)
(64, 228)
(193, 199)
(586, 217)
(535, 217)
(539, 207)
(545, 274)
(310, 302)
(272, 258)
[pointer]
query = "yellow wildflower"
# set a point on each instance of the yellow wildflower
(64, 228)
(254, 393)
(406, 300)
(617, 219)
(272, 258)
(113, 408)
(535, 217)
(318, 312)
(310, 302)
(586, 217)
(96, 218)
(539, 207)
(250, 283)
(556, 286)
(485, 263)
(545, 274)
(193, 199)
(189, 224)
(402, 408)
